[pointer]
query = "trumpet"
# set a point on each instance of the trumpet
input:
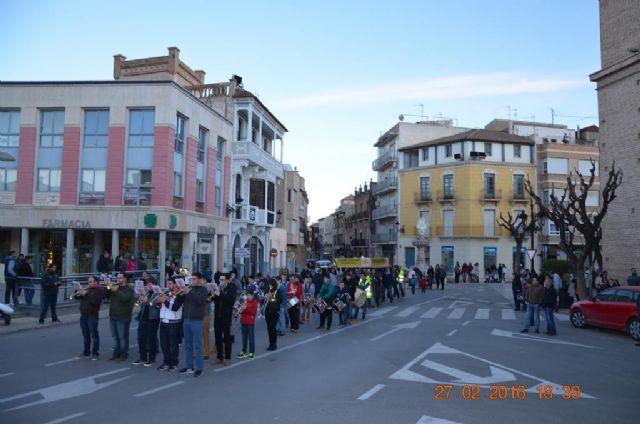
(80, 292)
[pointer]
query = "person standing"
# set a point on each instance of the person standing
(534, 298)
(308, 291)
(120, 311)
(90, 301)
(25, 273)
(327, 292)
(248, 320)
(557, 284)
(516, 288)
(457, 271)
(271, 313)
(294, 291)
(549, 305)
(283, 318)
(423, 284)
(194, 301)
(342, 294)
(105, 264)
(119, 264)
(49, 294)
(148, 323)
(365, 285)
(170, 324)
(11, 279)
(224, 299)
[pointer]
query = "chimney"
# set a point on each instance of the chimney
(118, 61)
(233, 85)
(174, 60)
(200, 75)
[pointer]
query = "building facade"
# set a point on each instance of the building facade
(293, 203)
(618, 84)
(96, 160)
(359, 224)
(453, 190)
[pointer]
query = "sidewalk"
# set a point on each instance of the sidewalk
(28, 320)
(505, 290)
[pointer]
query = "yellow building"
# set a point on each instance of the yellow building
(453, 189)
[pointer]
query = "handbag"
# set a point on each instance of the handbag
(361, 297)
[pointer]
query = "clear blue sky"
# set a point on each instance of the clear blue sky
(336, 73)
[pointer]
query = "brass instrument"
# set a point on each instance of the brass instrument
(81, 292)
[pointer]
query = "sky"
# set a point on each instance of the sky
(336, 73)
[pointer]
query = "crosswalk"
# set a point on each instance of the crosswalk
(458, 313)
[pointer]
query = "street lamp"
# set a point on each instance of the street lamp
(138, 187)
(530, 227)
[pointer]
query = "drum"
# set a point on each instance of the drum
(339, 305)
(320, 306)
(293, 302)
(306, 298)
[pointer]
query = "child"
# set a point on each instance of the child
(423, 283)
(248, 320)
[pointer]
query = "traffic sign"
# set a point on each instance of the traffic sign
(274, 253)
(242, 252)
(531, 253)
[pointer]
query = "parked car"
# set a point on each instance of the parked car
(324, 264)
(613, 308)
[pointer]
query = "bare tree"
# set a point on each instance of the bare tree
(514, 226)
(580, 228)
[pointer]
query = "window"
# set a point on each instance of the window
(289, 195)
(593, 199)
(553, 230)
(199, 191)
(518, 187)
(8, 179)
(546, 194)
(93, 181)
(607, 295)
(256, 193)
(448, 150)
(557, 166)
(203, 136)
(52, 128)
(411, 159)
(545, 167)
(487, 149)
(49, 180)
(489, 186)
(625, 296)
(517, 151)
(177, 184)
(584, 168)
(96, 128)
(294, 227)
(425, 153)
(179, 141)
(447, 181)
(489, 216)
(271, 196)
(9, 128)
(137, 177)
(221, 145)
(447, 217)
(141, 127)
(218, 200)
(424, 188)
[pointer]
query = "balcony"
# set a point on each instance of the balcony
(491, 196)
(387, 211)
(384, 160)
(464, 231)
(520, 198)
(385, 185)
(421, 198)
(447, 196)
(359, 242)
(254, 155)
(385, 238)
(254, 215)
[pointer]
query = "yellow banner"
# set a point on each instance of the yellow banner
(348, 262)
(362, 262)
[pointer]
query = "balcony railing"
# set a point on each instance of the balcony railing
(446, 196)
(251, 152)
(385, 211)
(385, 185)
(131, 197)
(384, 160)
(491, 195)
(519, 198)
(391, 237)
(421, 197)
(254, 215)
(459, 231)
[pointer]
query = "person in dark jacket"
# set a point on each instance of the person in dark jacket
(25, 272)
(49, 294)
(272, 312)
(120, 311)
(549, 305)
(194, 300)
(105, 264)
(120, 264)
(148, 323)
(224, 299)
(10, 278)
(90, 301)
(516, 289)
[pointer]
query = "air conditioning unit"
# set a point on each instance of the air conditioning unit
(482, 155)
(474, 154)
(457, 156)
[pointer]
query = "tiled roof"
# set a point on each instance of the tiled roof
(476, 135)
(241, 92)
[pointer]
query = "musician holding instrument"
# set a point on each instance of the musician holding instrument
(194, 300)
(90, 301)
(120, 312)
(272, 313)
(327, 293)
(224, 299)
(148, 322)
(170, 325)
(340, 303)
(308, 293)
(248, 311)
(294, 298)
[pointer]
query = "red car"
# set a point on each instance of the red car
(614, 308)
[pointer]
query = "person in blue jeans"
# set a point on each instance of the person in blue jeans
(90, 301)
(549, 305)
(282, 320)
(120, 311)
(194, 301)
(534, 298)
(49, 294)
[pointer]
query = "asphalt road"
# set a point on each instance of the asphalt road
(389, 368)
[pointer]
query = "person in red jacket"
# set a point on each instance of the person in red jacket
(423, 283)
(249, 309)
(294, 291)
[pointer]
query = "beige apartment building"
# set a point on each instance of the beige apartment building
(618, 85)
(292, 218)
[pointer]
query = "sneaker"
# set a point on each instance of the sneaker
(114, 358)
(149, 363)
(227, 362)
(251, 356)
(217, 361)
(163, 367)
(198, 373)
(186, 371)
(84, 356)
(95, 357)
(241, 355)
(171, 369)
(138, 362)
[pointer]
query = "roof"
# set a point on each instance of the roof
(475, 135)
(242, 93)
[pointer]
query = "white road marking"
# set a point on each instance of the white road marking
(509, 334)
(7, 374)
(482, 314)
(64, 361)
(466, 323)
(407, 311)
(431, 313)
(67, 418)
(426, 419)
(508, 314)
(382, 311)
(456, 313)
(459, 303)
(452, 333)
(157, 389)
(408, 325)
(375, 389)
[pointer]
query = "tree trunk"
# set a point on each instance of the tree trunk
(516, 258)
(579, 274)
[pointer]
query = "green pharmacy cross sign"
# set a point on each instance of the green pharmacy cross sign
(173, 221)
(150, 220)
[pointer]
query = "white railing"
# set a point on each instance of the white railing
(246, 150)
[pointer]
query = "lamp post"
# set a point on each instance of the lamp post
(530, 227)
(138, 188)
